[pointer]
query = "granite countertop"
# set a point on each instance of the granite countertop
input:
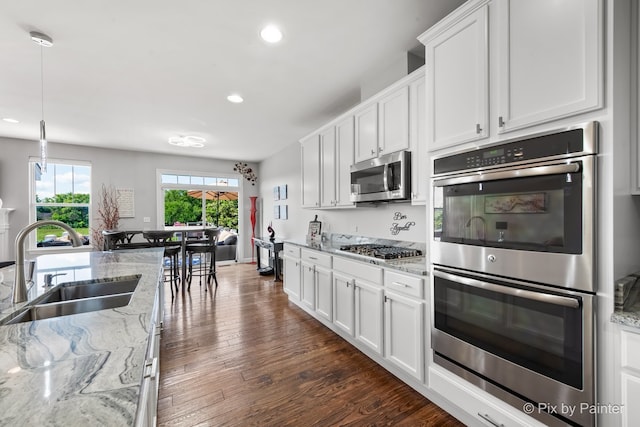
(83, 369)
(627, 301)
(331, 245)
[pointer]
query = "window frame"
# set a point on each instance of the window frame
(33, 205)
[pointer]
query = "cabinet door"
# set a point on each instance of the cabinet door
(328, 167)
(403, 332)
(548, 71)
(324, 293)
(292, 279)
(457, 61)
(366, 143)
(344, 160)
(308, 288)
(343, 302)
(630, 393)
(310, 152)
(393, 121)
(369, 315)
(418, 142)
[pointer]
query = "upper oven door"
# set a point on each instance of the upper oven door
(534, 222)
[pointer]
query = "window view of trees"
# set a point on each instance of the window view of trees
(185, 206)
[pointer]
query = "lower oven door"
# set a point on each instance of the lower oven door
(535, 343)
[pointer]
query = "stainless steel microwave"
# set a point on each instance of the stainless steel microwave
(385, 178)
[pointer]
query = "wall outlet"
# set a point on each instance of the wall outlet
(146, 219)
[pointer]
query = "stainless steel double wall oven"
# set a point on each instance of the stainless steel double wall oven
(513, 260)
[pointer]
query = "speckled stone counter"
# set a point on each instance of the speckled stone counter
(627, 301)
(83, 369)
(413, 265)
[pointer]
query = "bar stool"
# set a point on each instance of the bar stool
(162, 238)
(112, 238)
(205, 250)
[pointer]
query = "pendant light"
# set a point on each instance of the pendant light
(44, 41)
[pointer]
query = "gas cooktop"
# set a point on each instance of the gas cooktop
(381, 251)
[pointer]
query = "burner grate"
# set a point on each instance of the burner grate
(381, 251)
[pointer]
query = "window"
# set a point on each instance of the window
(62, 193)
(200, 199)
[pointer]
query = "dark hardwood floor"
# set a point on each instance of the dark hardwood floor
(242, 355)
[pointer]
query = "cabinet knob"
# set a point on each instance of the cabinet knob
(478, 129)
(373, 152)
(500, 122)
(380, 149)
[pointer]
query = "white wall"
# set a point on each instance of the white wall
(120, 168)
(284, 168)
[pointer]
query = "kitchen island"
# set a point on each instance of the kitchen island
(87, 368)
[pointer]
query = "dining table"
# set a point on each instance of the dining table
(182, 230)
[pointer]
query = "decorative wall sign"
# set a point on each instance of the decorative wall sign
(515, 203)
(396, 227)
(126, 206)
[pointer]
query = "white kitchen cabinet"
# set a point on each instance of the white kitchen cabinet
(548, 71)
(366, 132)
(316, 282)
(404, 332)
(542, 72)
(393, 121)
(630, 377)
(292, 271)
(328, 167)
(457, 77)
(310, 164)
(369, 315)
(420, 170)
(344, 159)
(344, 302)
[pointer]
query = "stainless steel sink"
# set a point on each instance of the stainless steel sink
(65, 308)
(78, 297)
(89, 289)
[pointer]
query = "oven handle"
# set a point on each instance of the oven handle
(522, 293)
(509, 174)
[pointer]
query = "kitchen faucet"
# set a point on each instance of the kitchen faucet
(20, 283)
(484, 225)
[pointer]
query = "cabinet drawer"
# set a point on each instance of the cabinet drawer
(410, 285)
(291, 251)
(366, 272)
(630, 350)
(316, 258)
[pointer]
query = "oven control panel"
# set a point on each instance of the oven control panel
(570, 142)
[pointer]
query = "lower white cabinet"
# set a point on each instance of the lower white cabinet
(308, 285)
(369, 314)
(291, 283)
(324, 293)
(344, 302)
(630, 378)
(404, 332)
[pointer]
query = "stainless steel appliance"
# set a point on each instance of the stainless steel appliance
(381, 251)
(513, 259)
(385, 178)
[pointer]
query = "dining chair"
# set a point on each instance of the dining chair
(205, 251)
(162, 238)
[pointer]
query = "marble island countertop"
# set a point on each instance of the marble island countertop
(414, 265)
(82, 369)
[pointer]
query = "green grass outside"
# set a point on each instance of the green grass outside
(43, 231)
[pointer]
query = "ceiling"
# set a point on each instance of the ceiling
(132, 74)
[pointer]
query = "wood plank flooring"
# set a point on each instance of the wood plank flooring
(242, 355)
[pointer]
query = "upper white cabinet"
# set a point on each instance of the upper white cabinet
(366, 139)
(547, 62)
(393, 121)
(328, 166)
(457, 77)
(310, 153)
(550, 55)
(344, 160)
(418, 142)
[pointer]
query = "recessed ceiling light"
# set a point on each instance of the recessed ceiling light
(10, 120)
(235, 98)
(187, 141)
(271, 34)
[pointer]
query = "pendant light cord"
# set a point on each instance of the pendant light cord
(42, 79)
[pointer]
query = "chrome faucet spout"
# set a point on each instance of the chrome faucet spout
(19, 282)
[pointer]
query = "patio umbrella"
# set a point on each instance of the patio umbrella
(214, 195)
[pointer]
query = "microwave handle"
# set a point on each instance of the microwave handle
(522, 293)
(385, 176)
(511, 173)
